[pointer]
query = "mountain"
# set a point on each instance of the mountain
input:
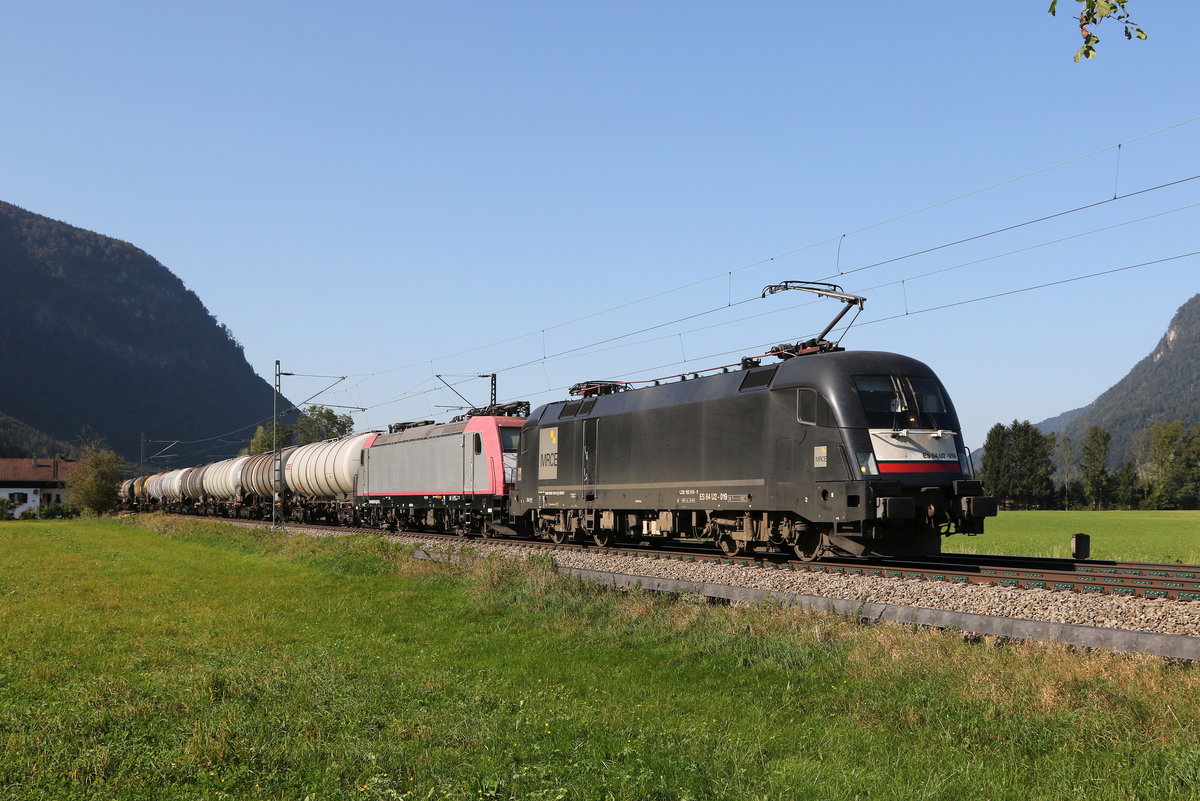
(101, 340)
(1161, 388)
(1056, 424)
(18, 440)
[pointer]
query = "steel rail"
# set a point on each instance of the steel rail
(1145, 580)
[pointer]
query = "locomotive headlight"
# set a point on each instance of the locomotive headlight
(867, 465)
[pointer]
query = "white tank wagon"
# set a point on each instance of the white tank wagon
(173, 485)
(164, 487)
(223, 481)
(258, 474)
(326, 470)
(193, 482)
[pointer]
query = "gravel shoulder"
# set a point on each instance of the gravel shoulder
(1161, 616)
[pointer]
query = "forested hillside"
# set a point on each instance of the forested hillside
(1161, 388)
(102, 340)
(18, 439)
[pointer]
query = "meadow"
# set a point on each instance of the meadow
(167, 659)
(1136, 536)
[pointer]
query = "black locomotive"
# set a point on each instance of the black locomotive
(831, 452)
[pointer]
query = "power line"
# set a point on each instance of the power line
(1039, 286)
(768, 344)
(1013, 227)
(583, 349)
(794, 251)
(918, 276)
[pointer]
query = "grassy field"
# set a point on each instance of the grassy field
(1127, 535)
(189, 661)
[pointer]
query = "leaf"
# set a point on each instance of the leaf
(1053, 6)
(1140, 33)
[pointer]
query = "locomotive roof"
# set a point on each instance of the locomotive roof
(431, 431)
(829, 373)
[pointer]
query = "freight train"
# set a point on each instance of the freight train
(826, 451)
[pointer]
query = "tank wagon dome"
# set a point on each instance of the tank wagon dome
(326, 469)
(224, 479)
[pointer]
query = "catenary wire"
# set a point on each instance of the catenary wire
(582, 349)
(793, 251)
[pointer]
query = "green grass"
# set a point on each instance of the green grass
(193, 660)
(1134, 536)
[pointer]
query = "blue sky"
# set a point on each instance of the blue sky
(389, 190)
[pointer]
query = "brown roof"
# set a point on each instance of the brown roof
(37, 469)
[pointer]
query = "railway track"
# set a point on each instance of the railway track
(1130, 579)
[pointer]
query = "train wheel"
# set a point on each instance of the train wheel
(808, 545)
(604, 537)
(559, 537)
(729, 546)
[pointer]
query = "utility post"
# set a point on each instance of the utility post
(275, 471)
(142, 455)
(493, 377)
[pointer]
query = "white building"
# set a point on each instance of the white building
(34, 483)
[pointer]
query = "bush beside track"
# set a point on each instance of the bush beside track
(185, 659)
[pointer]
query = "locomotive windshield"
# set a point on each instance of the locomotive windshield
(892, 401)
(509, 436)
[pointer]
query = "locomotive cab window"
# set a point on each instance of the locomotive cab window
(812, 409)
(478, 444)
(509, 437)
(892, 401)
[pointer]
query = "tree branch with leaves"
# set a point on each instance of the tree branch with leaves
(1091, 14)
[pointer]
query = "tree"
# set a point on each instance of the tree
(264, 442)
(320, 422)
(996, 468)
(1065, 457)
(1073, 494)
(95, 484)
(1017, 463)
(1174, 466)
(1091, 14)
(1032, 464)
(1094, 465)
(1127, 487)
